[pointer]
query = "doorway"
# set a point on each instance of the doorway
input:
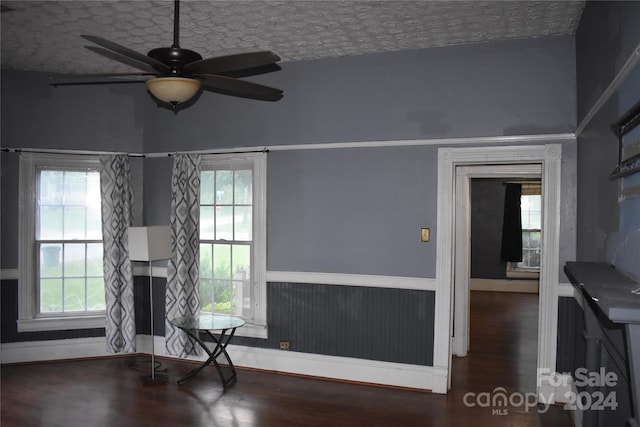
(463, 177)
(450, 160)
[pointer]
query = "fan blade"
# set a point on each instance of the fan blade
(224, 64)
(248, 72)
(239, 88)
(96, 79)
(125, 51)
(121, 58)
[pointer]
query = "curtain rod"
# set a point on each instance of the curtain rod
(149, 155)
(68, 152)
(211, 152)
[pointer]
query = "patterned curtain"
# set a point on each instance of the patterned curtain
(115, 191)
(183, 270)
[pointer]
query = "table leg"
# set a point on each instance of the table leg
(633, 351)
(220, 348)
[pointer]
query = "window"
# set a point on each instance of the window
(61, 279)
(232, 239)
(531, 213)
(531, 208)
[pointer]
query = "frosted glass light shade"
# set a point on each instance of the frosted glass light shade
(149, 243)
(173, 90)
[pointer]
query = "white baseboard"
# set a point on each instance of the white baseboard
(431, 378)
(34, 351)
(420, 377)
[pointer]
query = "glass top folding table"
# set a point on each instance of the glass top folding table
(224, 326)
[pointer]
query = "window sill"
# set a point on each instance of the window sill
(252, 331)
(61, 323)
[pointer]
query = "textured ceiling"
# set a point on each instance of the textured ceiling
(45, 35)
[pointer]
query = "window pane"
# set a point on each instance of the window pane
(74, 223)
(222, 261)
(74, 260)
(224, 187)
(534, 259)
(50, 186)
(534, 239)
(207, 187)
(93, 207)
(534, 220)
(243, 223)
(531, 211)
(75, 188)
(94, 221)
(94, 259)
(74, 294)
(241, 262)
(50, 221)
(95, 293)
(50, 295)
(224, 223)
(206, 261)
(206, 295)
(243, 186)
(242, 282)
(207, 222)
(51, 260)
(223, 297)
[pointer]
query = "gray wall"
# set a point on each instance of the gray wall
(607, 36)
(504, 88)
(352, 211)
(102, 117)
(607, 228)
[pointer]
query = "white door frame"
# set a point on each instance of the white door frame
(549, 156)
(462, 269)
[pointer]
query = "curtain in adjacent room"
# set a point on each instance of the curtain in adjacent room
(512, 224)
(182, 297)
(115, 191)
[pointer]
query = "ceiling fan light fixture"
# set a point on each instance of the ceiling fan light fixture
(173, 90)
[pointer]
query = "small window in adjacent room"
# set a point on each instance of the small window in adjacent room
(531, 212)
(61, 283)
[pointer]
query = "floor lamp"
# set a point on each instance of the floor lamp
(151, 243)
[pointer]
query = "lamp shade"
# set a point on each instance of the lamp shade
(173, 90)
(149, 243)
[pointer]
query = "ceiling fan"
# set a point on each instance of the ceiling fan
(174, 75)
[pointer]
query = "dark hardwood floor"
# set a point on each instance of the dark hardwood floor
(108, 392)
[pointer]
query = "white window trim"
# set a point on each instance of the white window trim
(257, 327)
(28, 317)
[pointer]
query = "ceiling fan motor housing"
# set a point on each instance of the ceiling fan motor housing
(175, 57)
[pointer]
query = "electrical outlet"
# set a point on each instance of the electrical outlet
(424, 235)
(285, 345)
